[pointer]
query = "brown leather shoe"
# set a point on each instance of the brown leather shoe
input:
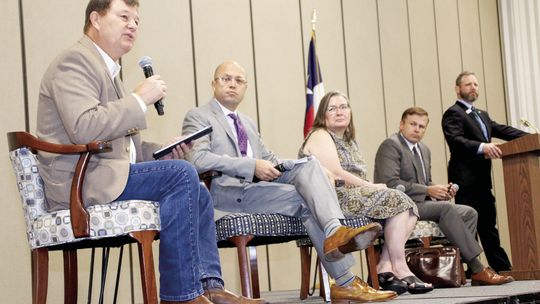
(347, 239)
(489, 277)
(223, 296)
(359, 292)
(197, 300)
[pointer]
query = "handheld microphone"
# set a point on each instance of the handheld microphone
(146, 64)
(528, 124)
(401, 188)
(453, 186)
(284, 166)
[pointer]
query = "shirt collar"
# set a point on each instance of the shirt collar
(465, 103)
(225, 110)
(112, 66)
(409, 144)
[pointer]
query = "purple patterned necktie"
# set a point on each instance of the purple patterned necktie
(241, 134)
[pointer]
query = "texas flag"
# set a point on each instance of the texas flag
(315, 88)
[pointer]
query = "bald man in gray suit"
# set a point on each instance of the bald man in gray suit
(402, 159)
(236, 149)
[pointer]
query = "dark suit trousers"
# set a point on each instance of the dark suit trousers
(483, 201)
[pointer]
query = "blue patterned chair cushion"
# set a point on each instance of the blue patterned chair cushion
(267, 228)
(47, 229)
(422, 229)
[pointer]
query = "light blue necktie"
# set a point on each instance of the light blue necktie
(474, 113)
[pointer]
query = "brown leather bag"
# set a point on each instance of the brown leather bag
(440, 266)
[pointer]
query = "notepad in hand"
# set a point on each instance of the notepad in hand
(167, 149)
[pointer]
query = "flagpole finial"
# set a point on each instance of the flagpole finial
(313, 19)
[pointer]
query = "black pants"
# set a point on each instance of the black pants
(483, 201)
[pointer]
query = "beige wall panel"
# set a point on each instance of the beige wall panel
(280, 74)
(365, 77)
(449, 49)
(15, 258)
(496, 104)
(281, 106)
(426, 80)
(396, 59)
(44, 43)
(165, 36)
(330, 48)
(471, 44)
(222, 31)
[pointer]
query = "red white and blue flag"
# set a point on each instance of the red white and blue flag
(315, 88)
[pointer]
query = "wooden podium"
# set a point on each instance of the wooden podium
(522, 185)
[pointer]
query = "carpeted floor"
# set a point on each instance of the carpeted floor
(522, 292)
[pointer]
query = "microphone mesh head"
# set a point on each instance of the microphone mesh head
(400, 187)
(145, 61)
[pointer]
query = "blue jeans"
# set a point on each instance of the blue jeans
(187, 250)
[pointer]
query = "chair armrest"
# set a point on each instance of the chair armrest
(207, 177)
(80, 220)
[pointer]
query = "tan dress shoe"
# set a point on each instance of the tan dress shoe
(489, 277)
(222, 296)
(197, 300)
(347, 239)
(359, 292)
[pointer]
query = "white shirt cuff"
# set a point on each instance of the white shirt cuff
(141, 103)
(480, 149)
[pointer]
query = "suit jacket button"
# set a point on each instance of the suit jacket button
(238, 200)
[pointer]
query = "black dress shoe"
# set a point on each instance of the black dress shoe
(388, 281)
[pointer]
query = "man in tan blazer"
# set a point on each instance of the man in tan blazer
(82, 99)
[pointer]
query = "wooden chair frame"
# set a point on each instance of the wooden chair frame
(80, 222)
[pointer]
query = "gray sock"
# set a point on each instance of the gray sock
(475, 265)
(331, 227)
(345, 279)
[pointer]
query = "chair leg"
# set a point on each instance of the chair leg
(70, 276)
(146, 261)
(305, 261)
(372, 259)
(240, 242)
(254, 272)
(426, 241)
(40, 275)
(322, 289)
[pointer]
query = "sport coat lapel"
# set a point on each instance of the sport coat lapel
(472, 121)
(87, 42)
(222, 120)
(410, 157)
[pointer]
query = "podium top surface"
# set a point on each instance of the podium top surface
(524, 144)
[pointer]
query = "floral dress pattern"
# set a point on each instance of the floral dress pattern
(365, 200)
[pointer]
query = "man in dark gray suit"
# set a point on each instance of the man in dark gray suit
(402, 159)
(236, 149)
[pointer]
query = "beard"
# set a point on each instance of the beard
(470, 97)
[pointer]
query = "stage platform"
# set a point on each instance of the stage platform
(522, 292)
